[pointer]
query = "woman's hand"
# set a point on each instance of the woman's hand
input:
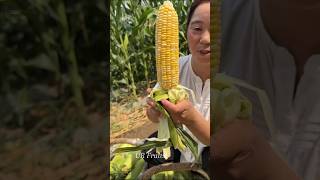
(239, 151)
(181, 113)
(184, 113)
(152, 113)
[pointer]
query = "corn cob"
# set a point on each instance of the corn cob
(167, 46)
(216, 35)
(228, 101)
(167, 63)
(216, 48)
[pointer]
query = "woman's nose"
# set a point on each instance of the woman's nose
(205, 37)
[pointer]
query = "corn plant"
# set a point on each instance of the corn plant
(51, 53)
(132, 51)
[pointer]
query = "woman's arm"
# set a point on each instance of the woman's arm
(239, 151)
(200, 127)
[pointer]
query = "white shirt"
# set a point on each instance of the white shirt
(248, 53)
(202, 98)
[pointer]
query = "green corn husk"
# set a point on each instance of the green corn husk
(116, 167)
(169, 134)
(179, 138)
(163, 133)
(121, 164)
(146, 145)
(137, 169)
(229, 103)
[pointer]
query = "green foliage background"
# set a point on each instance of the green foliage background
(132, 44)
(53, 61)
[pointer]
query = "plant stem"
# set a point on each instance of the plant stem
(68, 46)
(132, 82)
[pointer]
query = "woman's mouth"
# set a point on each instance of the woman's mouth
(204, 52)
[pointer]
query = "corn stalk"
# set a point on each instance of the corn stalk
(68, 47)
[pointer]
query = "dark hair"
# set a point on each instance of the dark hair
(193, 7)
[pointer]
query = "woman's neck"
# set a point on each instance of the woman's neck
(201, 69)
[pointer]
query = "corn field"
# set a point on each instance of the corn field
(132, 44)
(52, 89)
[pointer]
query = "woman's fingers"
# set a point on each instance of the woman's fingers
(153, 114)
(170, 107)
(150, 102)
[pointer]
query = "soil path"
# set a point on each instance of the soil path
(141, 132)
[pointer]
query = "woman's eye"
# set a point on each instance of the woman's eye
(197, 28)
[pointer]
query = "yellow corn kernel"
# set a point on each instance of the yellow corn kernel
(167, 46)
(215, 17)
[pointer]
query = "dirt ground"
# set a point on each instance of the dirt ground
(71, 153)
(130, 121)
(67, 154)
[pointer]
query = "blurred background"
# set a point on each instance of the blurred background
(53, 89)
(132, 62)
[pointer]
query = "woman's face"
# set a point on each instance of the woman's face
(199, 33)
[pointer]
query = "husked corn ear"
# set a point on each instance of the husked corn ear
(215, 16)
(167, 46)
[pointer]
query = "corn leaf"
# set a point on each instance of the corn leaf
(179, 138)
(163, 133)
(148, 144)
(137, 169)
(163, 130)
(161, 97)
(189, 142)
(166, 152)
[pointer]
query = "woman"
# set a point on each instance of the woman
(273, 45)
(195, 75)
